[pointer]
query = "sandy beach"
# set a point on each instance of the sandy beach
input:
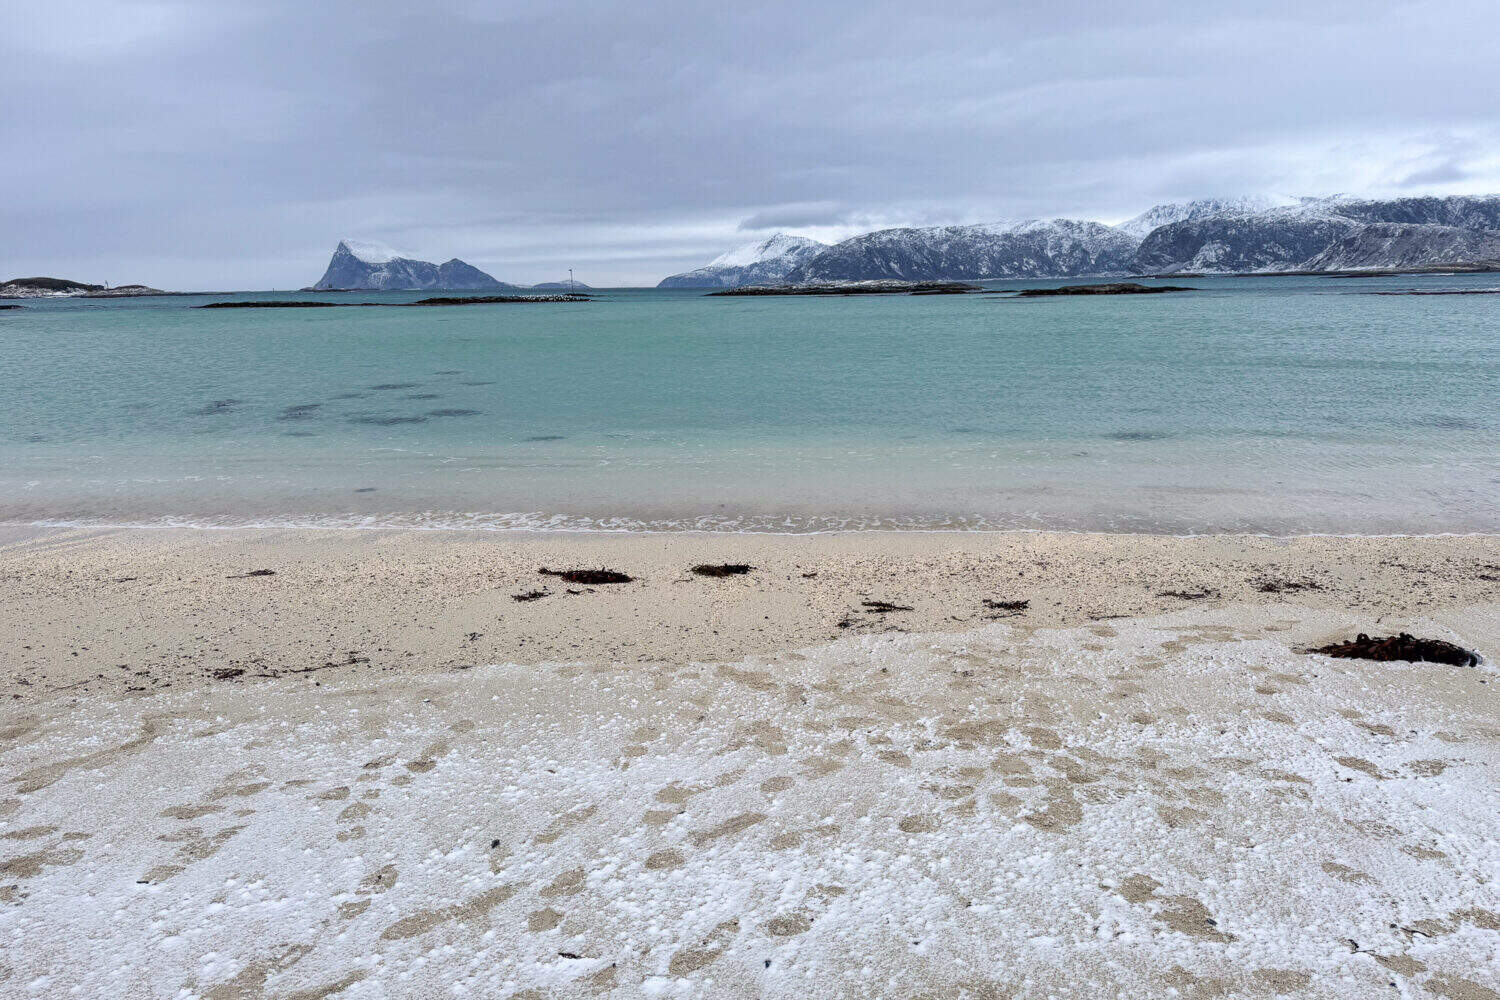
(759, 785)
(101, 611)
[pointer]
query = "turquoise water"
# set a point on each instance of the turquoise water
(1283, 405)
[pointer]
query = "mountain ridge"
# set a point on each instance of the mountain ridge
(767, 261)
(1245, 234)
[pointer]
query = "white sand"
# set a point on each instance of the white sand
(1174, 804)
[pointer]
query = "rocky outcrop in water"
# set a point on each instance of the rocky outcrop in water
(359, 265)
(1112, 288)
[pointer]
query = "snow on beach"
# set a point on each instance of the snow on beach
(1152, 808)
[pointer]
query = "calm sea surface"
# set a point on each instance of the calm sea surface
(1283, 405)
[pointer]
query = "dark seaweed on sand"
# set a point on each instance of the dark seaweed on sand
(1401, 647)
(1013, 606)
(589, 577)
(883, 607)
(530, 595)
(722, 569)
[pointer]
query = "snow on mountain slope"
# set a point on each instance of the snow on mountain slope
(1279, 240)
(1304, 235)
(762, 263)
(1394, 245)
(1163, 215)
(373, 253)
(1026, 249)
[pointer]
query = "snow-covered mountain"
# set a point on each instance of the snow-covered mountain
(1029, 249)
(1164, 215)
(1396, 245)
(1303, 236)
(357, 264)
(764, 263)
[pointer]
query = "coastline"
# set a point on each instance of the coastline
(137, 610)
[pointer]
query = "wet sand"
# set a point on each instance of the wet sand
(755, 786)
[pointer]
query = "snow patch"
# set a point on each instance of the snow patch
(373, 253)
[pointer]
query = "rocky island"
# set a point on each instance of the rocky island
(857, 288)
(453, 300)
(1108, 288)
(359, 265)
(55, 288)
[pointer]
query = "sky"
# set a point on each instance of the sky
(231, 144)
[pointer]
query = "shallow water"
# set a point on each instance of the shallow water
(1284, 405)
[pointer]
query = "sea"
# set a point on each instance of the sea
(1276, 405)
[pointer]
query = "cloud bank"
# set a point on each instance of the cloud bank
(229, 145)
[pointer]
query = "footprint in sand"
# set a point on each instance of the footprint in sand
(1062, 810)
(380, 879)
(564, 823)
(569, 883)
(543, 920)
(429, 757)
(1346, 874)
(250, 982)
(730, 827)
(689, 960)
(31, 865)
(776, 785)
(470, 909)
(1362, 765)
(664, 860)
(1184, 914)
(1460, 988)
(923, 823)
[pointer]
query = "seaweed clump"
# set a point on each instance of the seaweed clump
(722, 569)
(588, 577)
(1401, 647)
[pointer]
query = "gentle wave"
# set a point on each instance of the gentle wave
(570, 524)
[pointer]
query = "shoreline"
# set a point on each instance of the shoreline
(137, 610)
(63, 524)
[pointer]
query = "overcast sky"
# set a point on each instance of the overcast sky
(230, 144)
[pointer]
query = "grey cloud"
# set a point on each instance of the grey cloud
(1442, 173)
(797, 216)
(230, 144)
